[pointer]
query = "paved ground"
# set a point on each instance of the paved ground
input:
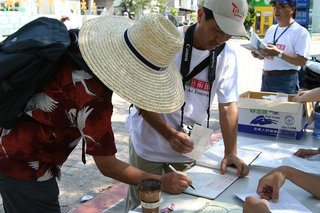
(79, 180)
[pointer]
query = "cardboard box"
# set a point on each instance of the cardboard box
(274, 118)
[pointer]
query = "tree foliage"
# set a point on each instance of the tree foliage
(133, 7)
(173, 11)
(201, 3)
(193, 17)
(161, 4)
(250, 18)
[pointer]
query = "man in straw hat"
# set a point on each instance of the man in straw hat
(156, 139)
(135, 60)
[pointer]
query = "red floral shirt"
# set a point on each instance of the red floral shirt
(72, 107)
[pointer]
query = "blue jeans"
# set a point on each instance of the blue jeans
(285, 83)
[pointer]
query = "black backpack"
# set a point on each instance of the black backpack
(29, 58)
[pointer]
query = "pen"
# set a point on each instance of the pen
(174, 170)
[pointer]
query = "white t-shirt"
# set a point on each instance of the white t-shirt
(148, 143)
(296, 40)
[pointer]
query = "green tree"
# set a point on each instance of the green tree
(173, 11)
(250, 18)
(161, 4)
(193, 17)
(201, 3)
(133, 7)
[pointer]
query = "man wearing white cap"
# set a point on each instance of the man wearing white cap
(75, 105)
(155, 138)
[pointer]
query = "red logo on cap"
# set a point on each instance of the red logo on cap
(236, 11)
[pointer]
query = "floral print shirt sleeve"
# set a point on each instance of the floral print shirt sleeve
(72, 107)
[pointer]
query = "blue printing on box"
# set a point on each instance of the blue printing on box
(265, 131)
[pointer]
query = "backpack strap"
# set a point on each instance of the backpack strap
(72, 54)
(212, 73)
(211, 60)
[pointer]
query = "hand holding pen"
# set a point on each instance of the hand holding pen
(174, 170)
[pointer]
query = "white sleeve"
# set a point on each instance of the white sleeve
(227, 75)
(303, 43)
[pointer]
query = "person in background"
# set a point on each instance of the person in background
(287, 50)
(269, 187)
(134, 60)
(156, 139)
(66, 20)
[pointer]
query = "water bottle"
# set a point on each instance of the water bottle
(316, 129)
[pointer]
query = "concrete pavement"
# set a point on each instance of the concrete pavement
(79, 180)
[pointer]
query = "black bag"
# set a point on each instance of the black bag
(29, 58)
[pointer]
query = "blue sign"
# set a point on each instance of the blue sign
(302, 17)
(303, 4)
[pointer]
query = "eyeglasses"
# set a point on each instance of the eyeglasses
(280, 6)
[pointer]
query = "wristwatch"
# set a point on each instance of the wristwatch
(280, 55)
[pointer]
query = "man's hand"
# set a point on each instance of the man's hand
(175, 183)
(306, 153)
(270, 184)
(298, 96)
(180, 142)
(231, 159)
(295, 59)
(255, 55)
(254, 205)
(228, 118)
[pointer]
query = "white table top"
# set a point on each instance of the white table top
(250, 183)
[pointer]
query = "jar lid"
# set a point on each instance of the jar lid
(150, 184)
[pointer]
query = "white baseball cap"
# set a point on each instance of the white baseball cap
(229, 15)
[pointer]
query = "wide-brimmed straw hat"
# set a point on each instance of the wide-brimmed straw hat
(135, 60)
(229, 15)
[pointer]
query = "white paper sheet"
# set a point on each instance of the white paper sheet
(200, 136)
(286, 203)
(255, 44)
(214, 155)
(207, 206)
(275, 154)
(206, 176)
(208, 182)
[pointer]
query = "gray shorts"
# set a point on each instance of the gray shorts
(29, 196)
